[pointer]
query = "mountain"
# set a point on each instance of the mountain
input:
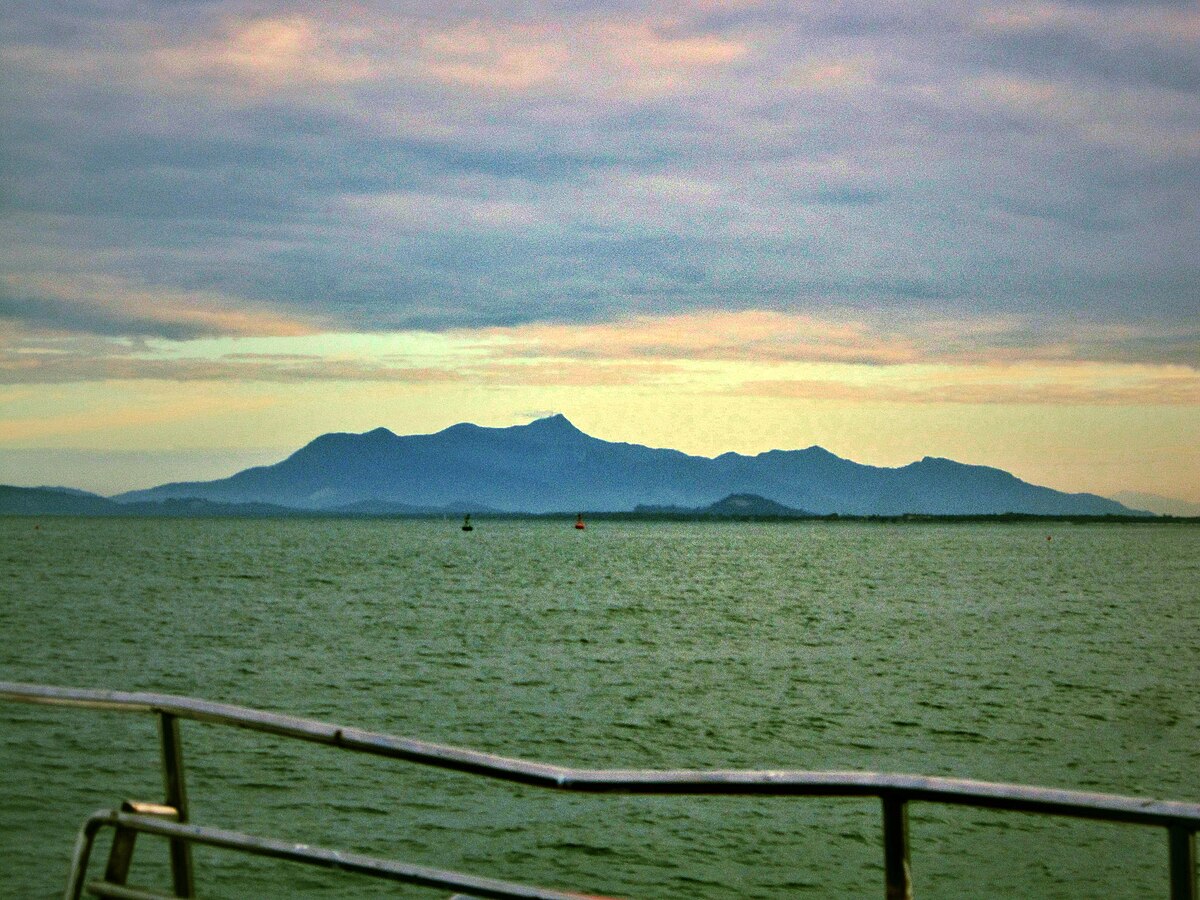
(66, 490)
(23, 501)
(197, 508)
(392, 508)
(734, 506)
(41, 501)
(550, 465)
(1156, 503)
(750, 505)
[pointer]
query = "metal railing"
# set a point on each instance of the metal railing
(170, 820)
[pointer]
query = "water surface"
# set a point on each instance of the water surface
(980, 651)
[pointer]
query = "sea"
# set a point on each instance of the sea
(1063, 655)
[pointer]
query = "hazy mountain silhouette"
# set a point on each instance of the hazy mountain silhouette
(57, 501)
(1158, 504)
(550, 465)
(734, 506)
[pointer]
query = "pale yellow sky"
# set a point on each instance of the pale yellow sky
(704, 387)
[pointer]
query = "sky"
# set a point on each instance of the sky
(968, 230)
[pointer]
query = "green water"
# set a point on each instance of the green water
(981, 651)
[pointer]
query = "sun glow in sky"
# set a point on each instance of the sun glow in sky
(968, 230)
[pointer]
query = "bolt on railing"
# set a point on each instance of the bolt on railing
(1180, 819)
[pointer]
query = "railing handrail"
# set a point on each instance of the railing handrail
(290, 851)
(1181, 819)
(761, 782)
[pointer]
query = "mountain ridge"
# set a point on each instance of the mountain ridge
(1158, 504)
(550, 465)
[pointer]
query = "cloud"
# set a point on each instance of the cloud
(112, 306)
(1053, 386)
(595, 56)
(49, 361)
(1096, 45)
(49, 369)
(477, 56)
(267, 54)
(750, 353)
(361, 167)
(875, 339)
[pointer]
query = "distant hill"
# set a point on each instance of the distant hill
(1156, 503)
(197, 508)
(23, 501)
(549, 465)
(734, 506)
(392, 508)
(750, 505)
(40, 501)
(67, 490)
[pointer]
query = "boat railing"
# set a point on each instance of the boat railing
(170, 819)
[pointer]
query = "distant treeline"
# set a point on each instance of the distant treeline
(909, 518)
(44, 502)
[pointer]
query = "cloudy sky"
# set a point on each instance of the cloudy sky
(893, 229)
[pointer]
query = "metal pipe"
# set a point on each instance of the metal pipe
(120, 856)
(780, 783)
(175, 786)
(1181, 843)
(110, 891)
(407, 873)
(897, 870)
(80, 855)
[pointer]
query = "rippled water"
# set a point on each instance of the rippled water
(981, 651)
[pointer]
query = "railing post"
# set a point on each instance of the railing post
(79, 861)
(120, 857)
(896, 867)
(176, 789)
(1182, 861)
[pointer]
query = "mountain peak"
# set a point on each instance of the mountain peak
(556, 422)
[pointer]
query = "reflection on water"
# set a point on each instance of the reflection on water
(982, 651)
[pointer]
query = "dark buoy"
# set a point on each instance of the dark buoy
(467, 526)
(579, 526)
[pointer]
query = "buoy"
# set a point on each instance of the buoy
(579, 522)
(466, 525)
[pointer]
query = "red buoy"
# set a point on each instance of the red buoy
(579, 522)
